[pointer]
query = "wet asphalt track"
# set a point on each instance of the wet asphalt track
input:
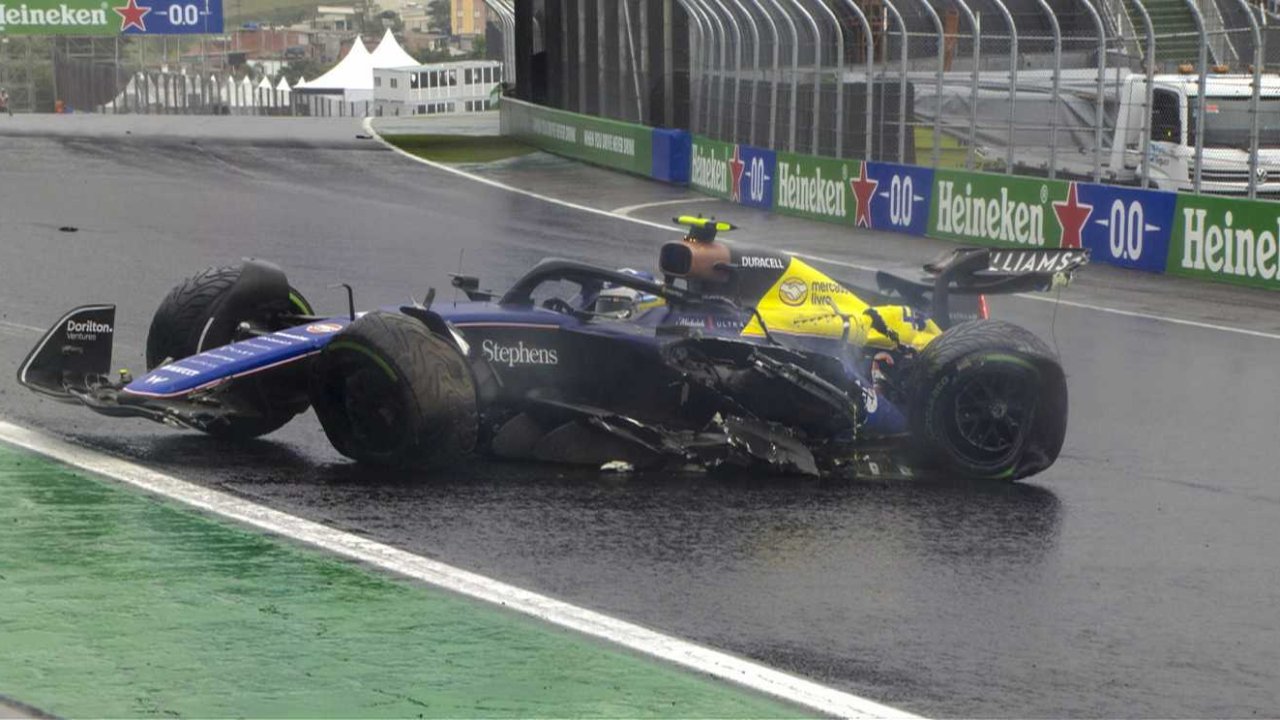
(1138, 577)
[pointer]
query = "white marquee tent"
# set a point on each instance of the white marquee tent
(348, 84)
(352, 77)
(390, 55)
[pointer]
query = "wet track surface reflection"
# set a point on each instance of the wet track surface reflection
(771, 568)
(1137, 577)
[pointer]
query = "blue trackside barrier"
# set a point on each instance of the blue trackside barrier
(671, 155)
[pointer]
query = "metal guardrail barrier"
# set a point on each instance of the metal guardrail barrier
(1138, 92)
(1174, 94)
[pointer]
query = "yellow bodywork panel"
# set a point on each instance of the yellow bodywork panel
(799, 303)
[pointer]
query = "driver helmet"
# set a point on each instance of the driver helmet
(623, 302)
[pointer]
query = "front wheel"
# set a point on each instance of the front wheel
(988, 401)
(390, 392)
(203, 313)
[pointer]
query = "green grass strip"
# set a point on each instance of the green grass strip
(114, 604)
(460, 148)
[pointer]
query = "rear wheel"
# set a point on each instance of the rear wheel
(390, 392)
(184, 325)
(988, 400)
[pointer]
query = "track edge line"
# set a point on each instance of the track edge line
(369, 128)
(721, 665)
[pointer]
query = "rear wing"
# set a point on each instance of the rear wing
(982, 271)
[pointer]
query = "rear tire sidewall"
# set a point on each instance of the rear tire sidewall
(942, 391)
(944, 431)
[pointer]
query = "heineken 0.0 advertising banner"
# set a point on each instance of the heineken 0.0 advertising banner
(1003, 210)
(816, 188)
(710, 171)
(64, 17)
(1226, 239)
(1129, 227)
(735, 172)
(898, 196)
(110, 17)
(602, 142)
(876, 196)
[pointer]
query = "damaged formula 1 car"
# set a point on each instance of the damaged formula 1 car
(734, 357)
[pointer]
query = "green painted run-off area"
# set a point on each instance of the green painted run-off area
(114, 604)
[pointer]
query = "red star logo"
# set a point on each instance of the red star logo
(736, 167)
(863, 189)
(1072, 215)
(131, 16)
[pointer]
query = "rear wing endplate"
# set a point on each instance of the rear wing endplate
(983, 271)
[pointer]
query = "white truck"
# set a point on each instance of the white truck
(1171, 123)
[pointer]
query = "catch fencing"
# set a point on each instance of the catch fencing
(1230, 240)
(1176, 94)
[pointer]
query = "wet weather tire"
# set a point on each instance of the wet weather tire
(988, 401)
(390, 392)
(182, 326)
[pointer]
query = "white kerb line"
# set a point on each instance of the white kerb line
(723, 666)
(626, 210)
(368, 128)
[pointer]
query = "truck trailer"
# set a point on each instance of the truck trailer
(1171, 122)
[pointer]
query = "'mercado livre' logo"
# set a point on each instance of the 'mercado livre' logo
(793, 291)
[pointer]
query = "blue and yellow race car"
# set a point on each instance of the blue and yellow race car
(728, 357)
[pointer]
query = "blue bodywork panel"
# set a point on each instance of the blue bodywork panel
(236, 360)
(247, 357)
(882, 417)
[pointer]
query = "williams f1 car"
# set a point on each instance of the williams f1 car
(731, 356)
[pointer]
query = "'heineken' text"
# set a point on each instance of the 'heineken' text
(60, 15)
(815, 194)
(1221, 248)
(989, 218)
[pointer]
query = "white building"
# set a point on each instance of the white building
(334, 19)
(467, 86)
